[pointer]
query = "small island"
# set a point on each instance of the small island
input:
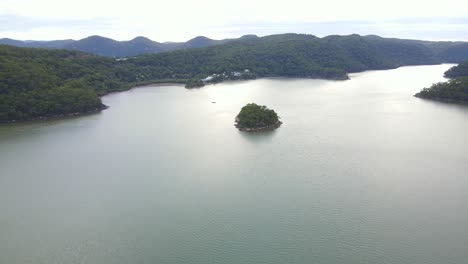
(256, 118)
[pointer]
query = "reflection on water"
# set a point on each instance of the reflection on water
(263, 136)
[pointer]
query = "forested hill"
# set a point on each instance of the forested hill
(46, 82)
(112, 48)
(293, 55)
(42, 83)
(454, 52)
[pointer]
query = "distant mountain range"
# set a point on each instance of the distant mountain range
(112, 48)
(446, 51)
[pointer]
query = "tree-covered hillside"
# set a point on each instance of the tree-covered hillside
(278, 55)
(293, 55)
(40, 83)
(446, 51)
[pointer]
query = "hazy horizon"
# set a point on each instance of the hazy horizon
(231, 37)
(180, 20)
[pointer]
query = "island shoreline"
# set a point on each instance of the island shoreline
(260, 129)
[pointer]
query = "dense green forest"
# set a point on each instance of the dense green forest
(49, 82)
(455, 90)
(291, 55)
(41, 83)
(255, 117)
(446, 51)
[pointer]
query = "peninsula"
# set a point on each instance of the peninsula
(455, 90)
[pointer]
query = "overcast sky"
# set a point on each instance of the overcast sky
(180, 20)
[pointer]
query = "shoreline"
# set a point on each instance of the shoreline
(260, 129)
(180, 84)
(442, 100)
(94, 111)
(56, 117)
(158, 85)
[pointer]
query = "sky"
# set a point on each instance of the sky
(181, 20)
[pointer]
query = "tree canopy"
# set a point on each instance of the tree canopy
(40, 83)
(253, 116)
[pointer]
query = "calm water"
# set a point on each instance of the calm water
(360, 172)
